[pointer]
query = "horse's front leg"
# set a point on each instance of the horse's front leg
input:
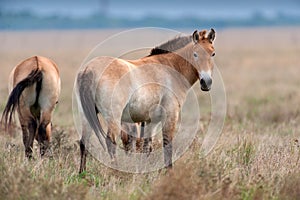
(43, 137)
(146, 136)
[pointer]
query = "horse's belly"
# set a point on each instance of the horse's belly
(142, 110)
(130, 115)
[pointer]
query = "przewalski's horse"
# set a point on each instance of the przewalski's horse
(151, 90)
(34, 87)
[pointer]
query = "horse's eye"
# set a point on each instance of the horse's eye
(213, 54)
(195, 55)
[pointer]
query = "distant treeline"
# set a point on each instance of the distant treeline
(29, 21)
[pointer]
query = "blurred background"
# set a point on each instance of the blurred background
(91, 14)
(257, 53)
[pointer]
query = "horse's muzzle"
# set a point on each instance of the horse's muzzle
(205, 81)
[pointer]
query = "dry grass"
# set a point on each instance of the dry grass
(256, 157)
(243, 166)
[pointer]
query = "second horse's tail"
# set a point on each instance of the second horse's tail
(87, 100)
(13, 101)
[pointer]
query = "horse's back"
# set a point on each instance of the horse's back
(135, 86)
(106, 67)
(23, 69)
(50, 84)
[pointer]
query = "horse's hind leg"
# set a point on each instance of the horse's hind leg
(113, 130)
(28, 152)
(83, 154)
(125, 137)
(44, 132)
(28, 129)
(32, 126)
(84, 141)
(128, 136)
(168, 131)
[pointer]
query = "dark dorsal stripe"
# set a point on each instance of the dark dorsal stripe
(171, 45)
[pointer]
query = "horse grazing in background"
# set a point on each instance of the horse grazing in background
(149, 90)
(34, 87)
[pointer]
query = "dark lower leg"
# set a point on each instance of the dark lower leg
(43, 138)
(130, 144)
(147, 145)
(167, 145)
(28, 154)
(83, 154)
(126, 140)
(32, 126)
(111, 146)
(147, 139)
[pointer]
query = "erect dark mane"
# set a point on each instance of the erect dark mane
(171, 45)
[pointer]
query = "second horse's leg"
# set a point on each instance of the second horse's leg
(112, 132)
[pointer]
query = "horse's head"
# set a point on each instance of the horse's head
(203, 51)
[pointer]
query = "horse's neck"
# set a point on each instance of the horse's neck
(181, 64)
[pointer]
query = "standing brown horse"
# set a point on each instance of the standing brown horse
(151, 90)
(34, 87)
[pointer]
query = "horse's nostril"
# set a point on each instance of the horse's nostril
(202, 82)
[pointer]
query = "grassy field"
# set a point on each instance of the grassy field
(256, 157)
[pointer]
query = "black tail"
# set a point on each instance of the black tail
(87, 99)
(13, 101)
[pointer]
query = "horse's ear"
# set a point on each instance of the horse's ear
(212, 35)
(195, 36)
